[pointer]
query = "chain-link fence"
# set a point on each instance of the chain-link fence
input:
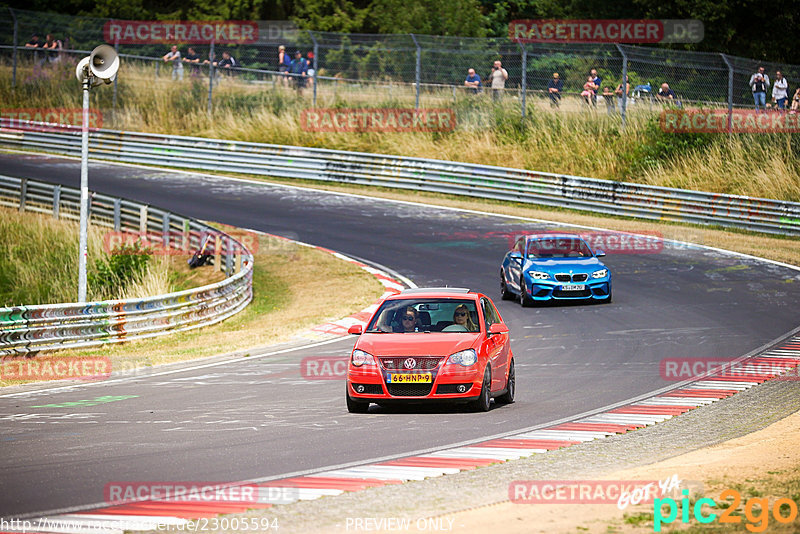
(419, 70)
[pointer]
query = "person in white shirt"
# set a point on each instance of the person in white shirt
(177, 65)
(498, 79)
(759, 84)
(780, 91)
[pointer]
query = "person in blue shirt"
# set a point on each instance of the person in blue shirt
(299, 67)
(665, 93)
(554, 87)
(473, 81)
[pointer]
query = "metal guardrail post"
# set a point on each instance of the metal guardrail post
(228, 256)
(23, 194)
(730, 92)
(316, 55)
(524, 77)
(211, 58)
(56, 201)
(217, 252)
(143, 220)
(117, 215)
(14, 67)
(418, 69)
(623, 111)
(165, 230)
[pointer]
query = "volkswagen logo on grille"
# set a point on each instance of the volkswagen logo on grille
(410, 363)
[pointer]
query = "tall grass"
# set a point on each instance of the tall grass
(572, 140)
(39, 263)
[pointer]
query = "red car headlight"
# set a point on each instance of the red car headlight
(360, 358)
(465, 357)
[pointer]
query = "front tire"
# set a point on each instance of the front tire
(482, 403)
(511, 386)
(524, 299)
(505, 294)
(354, 406)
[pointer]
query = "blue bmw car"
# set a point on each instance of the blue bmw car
(543, 267)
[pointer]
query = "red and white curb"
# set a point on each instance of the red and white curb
(721, 384)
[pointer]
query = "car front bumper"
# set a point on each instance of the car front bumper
(448, 382)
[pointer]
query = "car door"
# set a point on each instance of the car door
(514, 260)
(496, 345)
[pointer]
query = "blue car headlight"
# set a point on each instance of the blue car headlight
(538, 275)
(465, 357)
(602, 273)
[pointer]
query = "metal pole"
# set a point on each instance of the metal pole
(419, 69)
(84, 193)
(730, 92)
(624, 109)
(14, 68)
(114, 98)
(316, 54)
(524, 77)
(211, 58)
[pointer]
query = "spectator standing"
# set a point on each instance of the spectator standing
(55, 46)
(174, 55)
(596, 80)
(780, 91)
(34, 42)
(554, 87)
(284, 62)
(310, 68)
(796, 101)
(227, 62)
(759, 83)
(193, 60)
(473, 81)
(299, 68)
(498, 79)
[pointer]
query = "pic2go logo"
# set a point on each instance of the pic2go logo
(758, 520)
(324, 367)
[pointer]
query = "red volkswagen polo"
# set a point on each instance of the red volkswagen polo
(432, 344)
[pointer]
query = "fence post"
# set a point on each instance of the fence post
(211, 58)
(730, 92)
(524, 77)
(419, 68)
(14, 68)
(165, 237)
(228, 256)
(56, 201)
(316, 54)
(623, 111)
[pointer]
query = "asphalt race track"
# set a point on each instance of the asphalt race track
(258, 417)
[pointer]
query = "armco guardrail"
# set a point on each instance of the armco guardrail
(31, 329)
(481, 181)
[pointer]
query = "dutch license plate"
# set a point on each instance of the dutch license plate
(409, 378)
(573, 287)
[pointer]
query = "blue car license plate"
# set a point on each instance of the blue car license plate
(573, 287)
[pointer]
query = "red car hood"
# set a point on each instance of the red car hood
(416, 344)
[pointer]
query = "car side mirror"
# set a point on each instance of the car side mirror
(498, 328)
(515, 256)
(599, 253)
(355, 329)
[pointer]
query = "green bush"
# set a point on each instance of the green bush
(125, 264)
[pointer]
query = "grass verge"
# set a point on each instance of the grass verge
(289, 296)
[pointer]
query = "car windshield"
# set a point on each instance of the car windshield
(426, 315)
(558, 247)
